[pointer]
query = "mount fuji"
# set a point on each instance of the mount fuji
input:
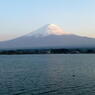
(49, 36)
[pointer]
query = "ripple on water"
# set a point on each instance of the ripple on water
(47, 75)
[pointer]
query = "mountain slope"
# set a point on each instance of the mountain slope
(49, 36)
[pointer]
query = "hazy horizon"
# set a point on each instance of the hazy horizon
(24, 16)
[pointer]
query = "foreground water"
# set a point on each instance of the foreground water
(47, 74)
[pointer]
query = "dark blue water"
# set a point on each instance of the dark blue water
(47, 74)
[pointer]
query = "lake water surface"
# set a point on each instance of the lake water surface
(47, 74)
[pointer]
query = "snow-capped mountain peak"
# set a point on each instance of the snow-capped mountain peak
(50, 29)
(55, 29)
(49, 36)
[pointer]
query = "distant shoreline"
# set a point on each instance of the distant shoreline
(47, 51)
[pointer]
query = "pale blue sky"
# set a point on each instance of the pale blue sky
(18, 17)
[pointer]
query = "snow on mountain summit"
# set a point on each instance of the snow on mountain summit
(50, 29)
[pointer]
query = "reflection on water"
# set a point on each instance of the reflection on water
(47, 75)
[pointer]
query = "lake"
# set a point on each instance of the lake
(54, 74)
